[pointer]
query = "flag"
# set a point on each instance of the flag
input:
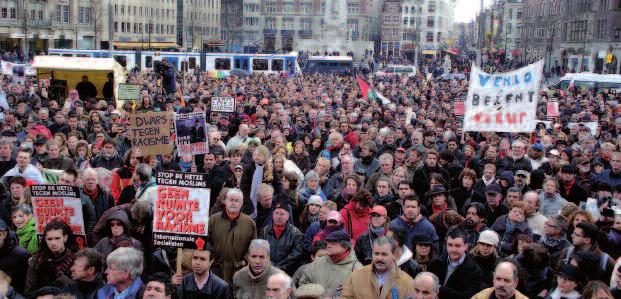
(51, 176)
(370, 92)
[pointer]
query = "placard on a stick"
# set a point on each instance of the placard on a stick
(129, 91)
(150, 132)
(181, 211)
(191, 132)
(57, 202)
(223, 104)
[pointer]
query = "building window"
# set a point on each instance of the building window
(251, 21)
(84, 15)
(270, 23)
(353, 8)
(40, 15)
(288, 7)
(116, 27)
(13, 13)
(287, 23)
(519, 15)
(602, 28)
(251, 7)
(431, 22)
(307, 24)
(5, 12)
(509, 28)
(431, 7)
(62, 14)
(430, 37)
(578, 31)
(270, 7)
(306, 8)
(122, 9)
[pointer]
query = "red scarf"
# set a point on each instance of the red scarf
(278, 229)
(441, 208)
(339, 258)
(232, 216)
(568, 186)
(92, 193)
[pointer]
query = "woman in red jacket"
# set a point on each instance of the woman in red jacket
(121, 178)
(357, 214)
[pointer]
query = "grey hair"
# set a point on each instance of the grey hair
(386, 157)
(286, 279)
(311, 175)
(7, 142)
(89, 171)
(516, 189)
(560, 221)
(144, 172)
(434, 278)
(265, 188)
(513, 264)
(126, 258)
(234, 191)
(383, 240)
(261, 244)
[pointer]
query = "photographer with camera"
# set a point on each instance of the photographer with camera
(167, 74)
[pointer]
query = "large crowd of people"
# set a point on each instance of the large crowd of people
(317, 192)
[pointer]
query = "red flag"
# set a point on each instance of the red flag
(364, 86)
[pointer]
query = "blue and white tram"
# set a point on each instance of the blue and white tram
(147, 60)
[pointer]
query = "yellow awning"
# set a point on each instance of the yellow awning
(429, 52)
(145, 45)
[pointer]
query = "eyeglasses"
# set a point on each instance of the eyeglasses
(577, 235)
(550, 225)
(113, 224)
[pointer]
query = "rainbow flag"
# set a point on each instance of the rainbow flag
(217, 74)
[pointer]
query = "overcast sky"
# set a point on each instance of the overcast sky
(466, 10)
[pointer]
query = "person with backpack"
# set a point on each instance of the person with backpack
(585, 238)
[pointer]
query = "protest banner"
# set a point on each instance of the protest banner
(18, 70)
(552, 109)
(57, 202)
(150, 132)
(181, 210)
(223, 104)
(129, 92)
(504, 102)
(191, 130)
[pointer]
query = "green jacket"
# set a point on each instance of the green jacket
(328, 274)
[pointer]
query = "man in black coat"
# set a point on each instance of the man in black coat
(286, 241)
(460, 276)
(86, 275)
(13, 258)
(422, 175)
(201, 283)
(569, 189)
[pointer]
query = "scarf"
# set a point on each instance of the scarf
(257, 178)
(92, 193)
(27, 236)
(509, 229)
(278, 229)
(437, 209)
(553, 245)
(339, 258)
(568, 185)
(412, 223)
(313, 218)
(378, 231)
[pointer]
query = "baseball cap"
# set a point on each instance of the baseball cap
(380, 210)
(493, 188)
(337, 236)
(554, 152)
(334, 215)
(489, 237)
(538, 146)
(522, 173)
(40, 141)
(281, 205)
(400, 149)
(315, 200)
(568, 168)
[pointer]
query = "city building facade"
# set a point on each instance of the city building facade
(391, 29)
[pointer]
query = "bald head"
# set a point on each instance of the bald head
(426, 286)
(505, 280)
(278, 286)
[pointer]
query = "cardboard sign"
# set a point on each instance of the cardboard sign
(57, 202)
(129, 91)
(504, 102)
(181, 211)
(150, 132)
(191, 130)
(459, 108)
(223, 104)
(552, 109)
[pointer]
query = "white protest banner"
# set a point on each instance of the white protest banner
(504, 102)
(129, 91)
(181, 210)
(223, 104)
(57, 202)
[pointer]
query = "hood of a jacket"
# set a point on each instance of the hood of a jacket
(351, 206)
(120, 215)
(405, 256)
(10, 242)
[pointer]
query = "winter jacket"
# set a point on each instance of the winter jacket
(487, 293)
(14, 261)
(135, 291)
(422, 177)
(215, 288)
(330, 275)
(364, 247)
(362, 283)
(472, 234)
(85, 289)
(121, 178)
(422, 226)
(52, 271)
(246, 186)
(610, 177)
(230, 238)
(313, 229)
(550, 206)
(108, 244)
(514, 165)
(102, 203)
(576, 193)
(248, 286)
(334, 186)
(61, 163)
(369, 168)
(109, 163)
(606, 260)
(463, 283)
(464, 197)
(506, 242)
(407, 263)
(286, 251)
(101, 227)
(355, 223)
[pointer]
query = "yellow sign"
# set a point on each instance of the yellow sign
(609, 58)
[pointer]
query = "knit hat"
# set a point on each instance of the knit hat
(337, 236)
(315, 200)
(489, 237)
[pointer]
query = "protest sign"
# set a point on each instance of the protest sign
(504, 102)
(459, 108)
(552, 109)
(57, 202)
(150, 132)
(191, 130)
(223, 104)
(17, 70)
(181, 211)
(129, 91)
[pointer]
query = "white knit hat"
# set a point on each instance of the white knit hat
(489, 237)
